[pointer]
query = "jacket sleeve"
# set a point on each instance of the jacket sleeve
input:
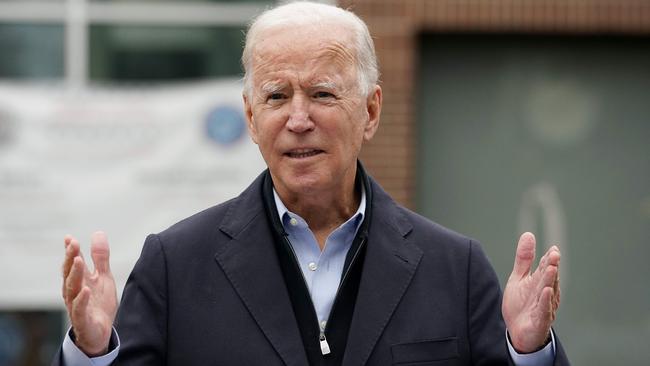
(561, 358)
(486, 328)
(141, 320)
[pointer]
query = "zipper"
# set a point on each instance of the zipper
(345, 275)
(324, 346)
(322, 339)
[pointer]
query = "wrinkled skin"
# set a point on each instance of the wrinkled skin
(531, 298)
(90, 297)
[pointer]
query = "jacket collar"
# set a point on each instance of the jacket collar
(250, 262)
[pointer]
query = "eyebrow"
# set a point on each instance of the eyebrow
(270, 87)
(326, 84)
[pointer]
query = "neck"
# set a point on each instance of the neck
(323, 211)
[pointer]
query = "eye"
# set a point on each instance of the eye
(276, 96)
(323, 94)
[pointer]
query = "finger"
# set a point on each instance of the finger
(71, 251)
(74, 281)
(525, 255)
(545, 306)
(79, 306)
(556, 291)
(539, 272)
(547, 279)
(67, 239)
(550, 258)
(554, 256)
(555, 302)
(100, 252)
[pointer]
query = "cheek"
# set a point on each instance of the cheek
(356, 121)
(267, 126)
(345, 132)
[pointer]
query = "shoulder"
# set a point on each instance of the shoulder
(200, 223)
(429, 234)
(417, 229)
(215, 225)
(445, 250)
(442, 248)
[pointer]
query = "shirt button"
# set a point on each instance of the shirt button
(323, 324)
(293, 221)
(312, 266)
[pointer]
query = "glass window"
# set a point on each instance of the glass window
(31, 51)
(131, 53)
(189, 1)
(30, 337)
(548, 134)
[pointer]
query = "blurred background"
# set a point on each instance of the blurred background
(500, 117)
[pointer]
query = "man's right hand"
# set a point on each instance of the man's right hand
(90, 297)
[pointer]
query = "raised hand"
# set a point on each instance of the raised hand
(531, 299)
(90, 297)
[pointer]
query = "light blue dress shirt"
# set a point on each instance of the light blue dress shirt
(322, 272)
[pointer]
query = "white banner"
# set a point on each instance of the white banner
(128, 161)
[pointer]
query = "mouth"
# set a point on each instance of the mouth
(302, 153)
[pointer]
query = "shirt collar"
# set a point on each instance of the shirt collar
(358, 215)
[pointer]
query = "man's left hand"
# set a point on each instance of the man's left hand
(531, 299)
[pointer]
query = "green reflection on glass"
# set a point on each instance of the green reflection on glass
(124, 53)
(188, 1)
(31, 51)
(549, 134)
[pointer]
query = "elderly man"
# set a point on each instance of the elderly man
(313, 264)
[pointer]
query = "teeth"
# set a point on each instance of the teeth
(303, 153)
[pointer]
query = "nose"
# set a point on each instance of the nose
(299, 119)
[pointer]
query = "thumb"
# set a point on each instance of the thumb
(100, 252)
(525, 255)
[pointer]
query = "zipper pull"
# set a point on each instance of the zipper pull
(324, 346)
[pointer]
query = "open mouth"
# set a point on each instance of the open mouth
(303, 153)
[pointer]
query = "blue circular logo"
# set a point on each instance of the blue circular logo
(225, 125)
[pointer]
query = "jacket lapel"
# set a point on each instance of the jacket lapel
(389, 266)
(250, 263)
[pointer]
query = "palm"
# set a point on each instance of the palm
(90, 297)
(531, 300)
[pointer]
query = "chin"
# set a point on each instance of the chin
(307, 184)
(304, 183)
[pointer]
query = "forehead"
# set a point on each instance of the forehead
(320, 52)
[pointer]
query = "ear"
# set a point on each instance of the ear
(250, 122)
(373, 105)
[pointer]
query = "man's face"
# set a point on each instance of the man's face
(306, 112)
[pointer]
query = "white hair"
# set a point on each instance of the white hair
(304, 13)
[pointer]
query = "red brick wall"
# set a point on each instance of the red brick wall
(394, 24)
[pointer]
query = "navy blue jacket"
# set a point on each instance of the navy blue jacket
(209, 291)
